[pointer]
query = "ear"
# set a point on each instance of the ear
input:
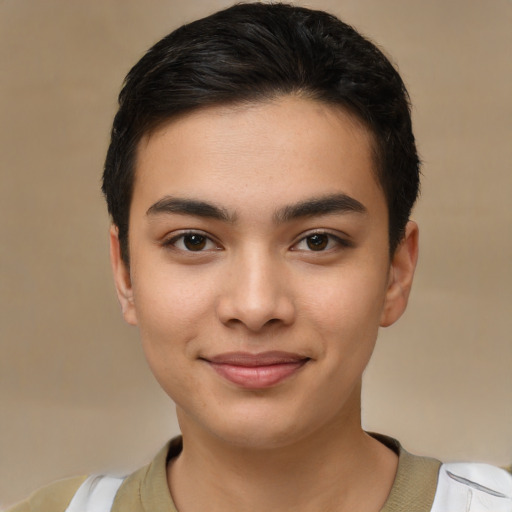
(401, 273)
(122, 278)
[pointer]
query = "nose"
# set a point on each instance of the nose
(256, 293)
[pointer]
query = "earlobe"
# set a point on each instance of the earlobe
(122, 278)
(401, 274)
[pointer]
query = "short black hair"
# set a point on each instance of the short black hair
(254, 52)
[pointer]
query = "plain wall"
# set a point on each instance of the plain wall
(75, 393)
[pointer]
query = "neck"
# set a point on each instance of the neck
(338, 469)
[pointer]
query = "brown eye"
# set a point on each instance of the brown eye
(321, 241)
(317, 242)
(194, 242)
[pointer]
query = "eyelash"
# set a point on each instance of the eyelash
(172, 242)
(331, 239)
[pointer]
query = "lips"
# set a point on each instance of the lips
(257, 371)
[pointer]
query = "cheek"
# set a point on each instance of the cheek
(345, 313)
(172, 307)
(348, 297)
(172, 314)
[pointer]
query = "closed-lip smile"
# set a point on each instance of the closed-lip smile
(257, 370)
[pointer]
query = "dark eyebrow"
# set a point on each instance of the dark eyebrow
(324, 205)
(192, 207)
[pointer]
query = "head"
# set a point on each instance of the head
(260, 177)
(257, 52)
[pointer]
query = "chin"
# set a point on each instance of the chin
(257, 429)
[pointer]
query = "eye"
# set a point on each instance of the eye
(192, 242)
(319, 242)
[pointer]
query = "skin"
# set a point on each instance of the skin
(235, 247)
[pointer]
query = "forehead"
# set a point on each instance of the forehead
(286, 147)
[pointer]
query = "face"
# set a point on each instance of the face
(259, 268)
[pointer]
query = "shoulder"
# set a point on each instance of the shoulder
(52, 498)
(144, 489)
(473, 486)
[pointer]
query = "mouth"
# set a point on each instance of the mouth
(257, 371)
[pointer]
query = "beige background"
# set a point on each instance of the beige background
(75, 392)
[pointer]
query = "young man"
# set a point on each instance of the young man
(260, 178)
